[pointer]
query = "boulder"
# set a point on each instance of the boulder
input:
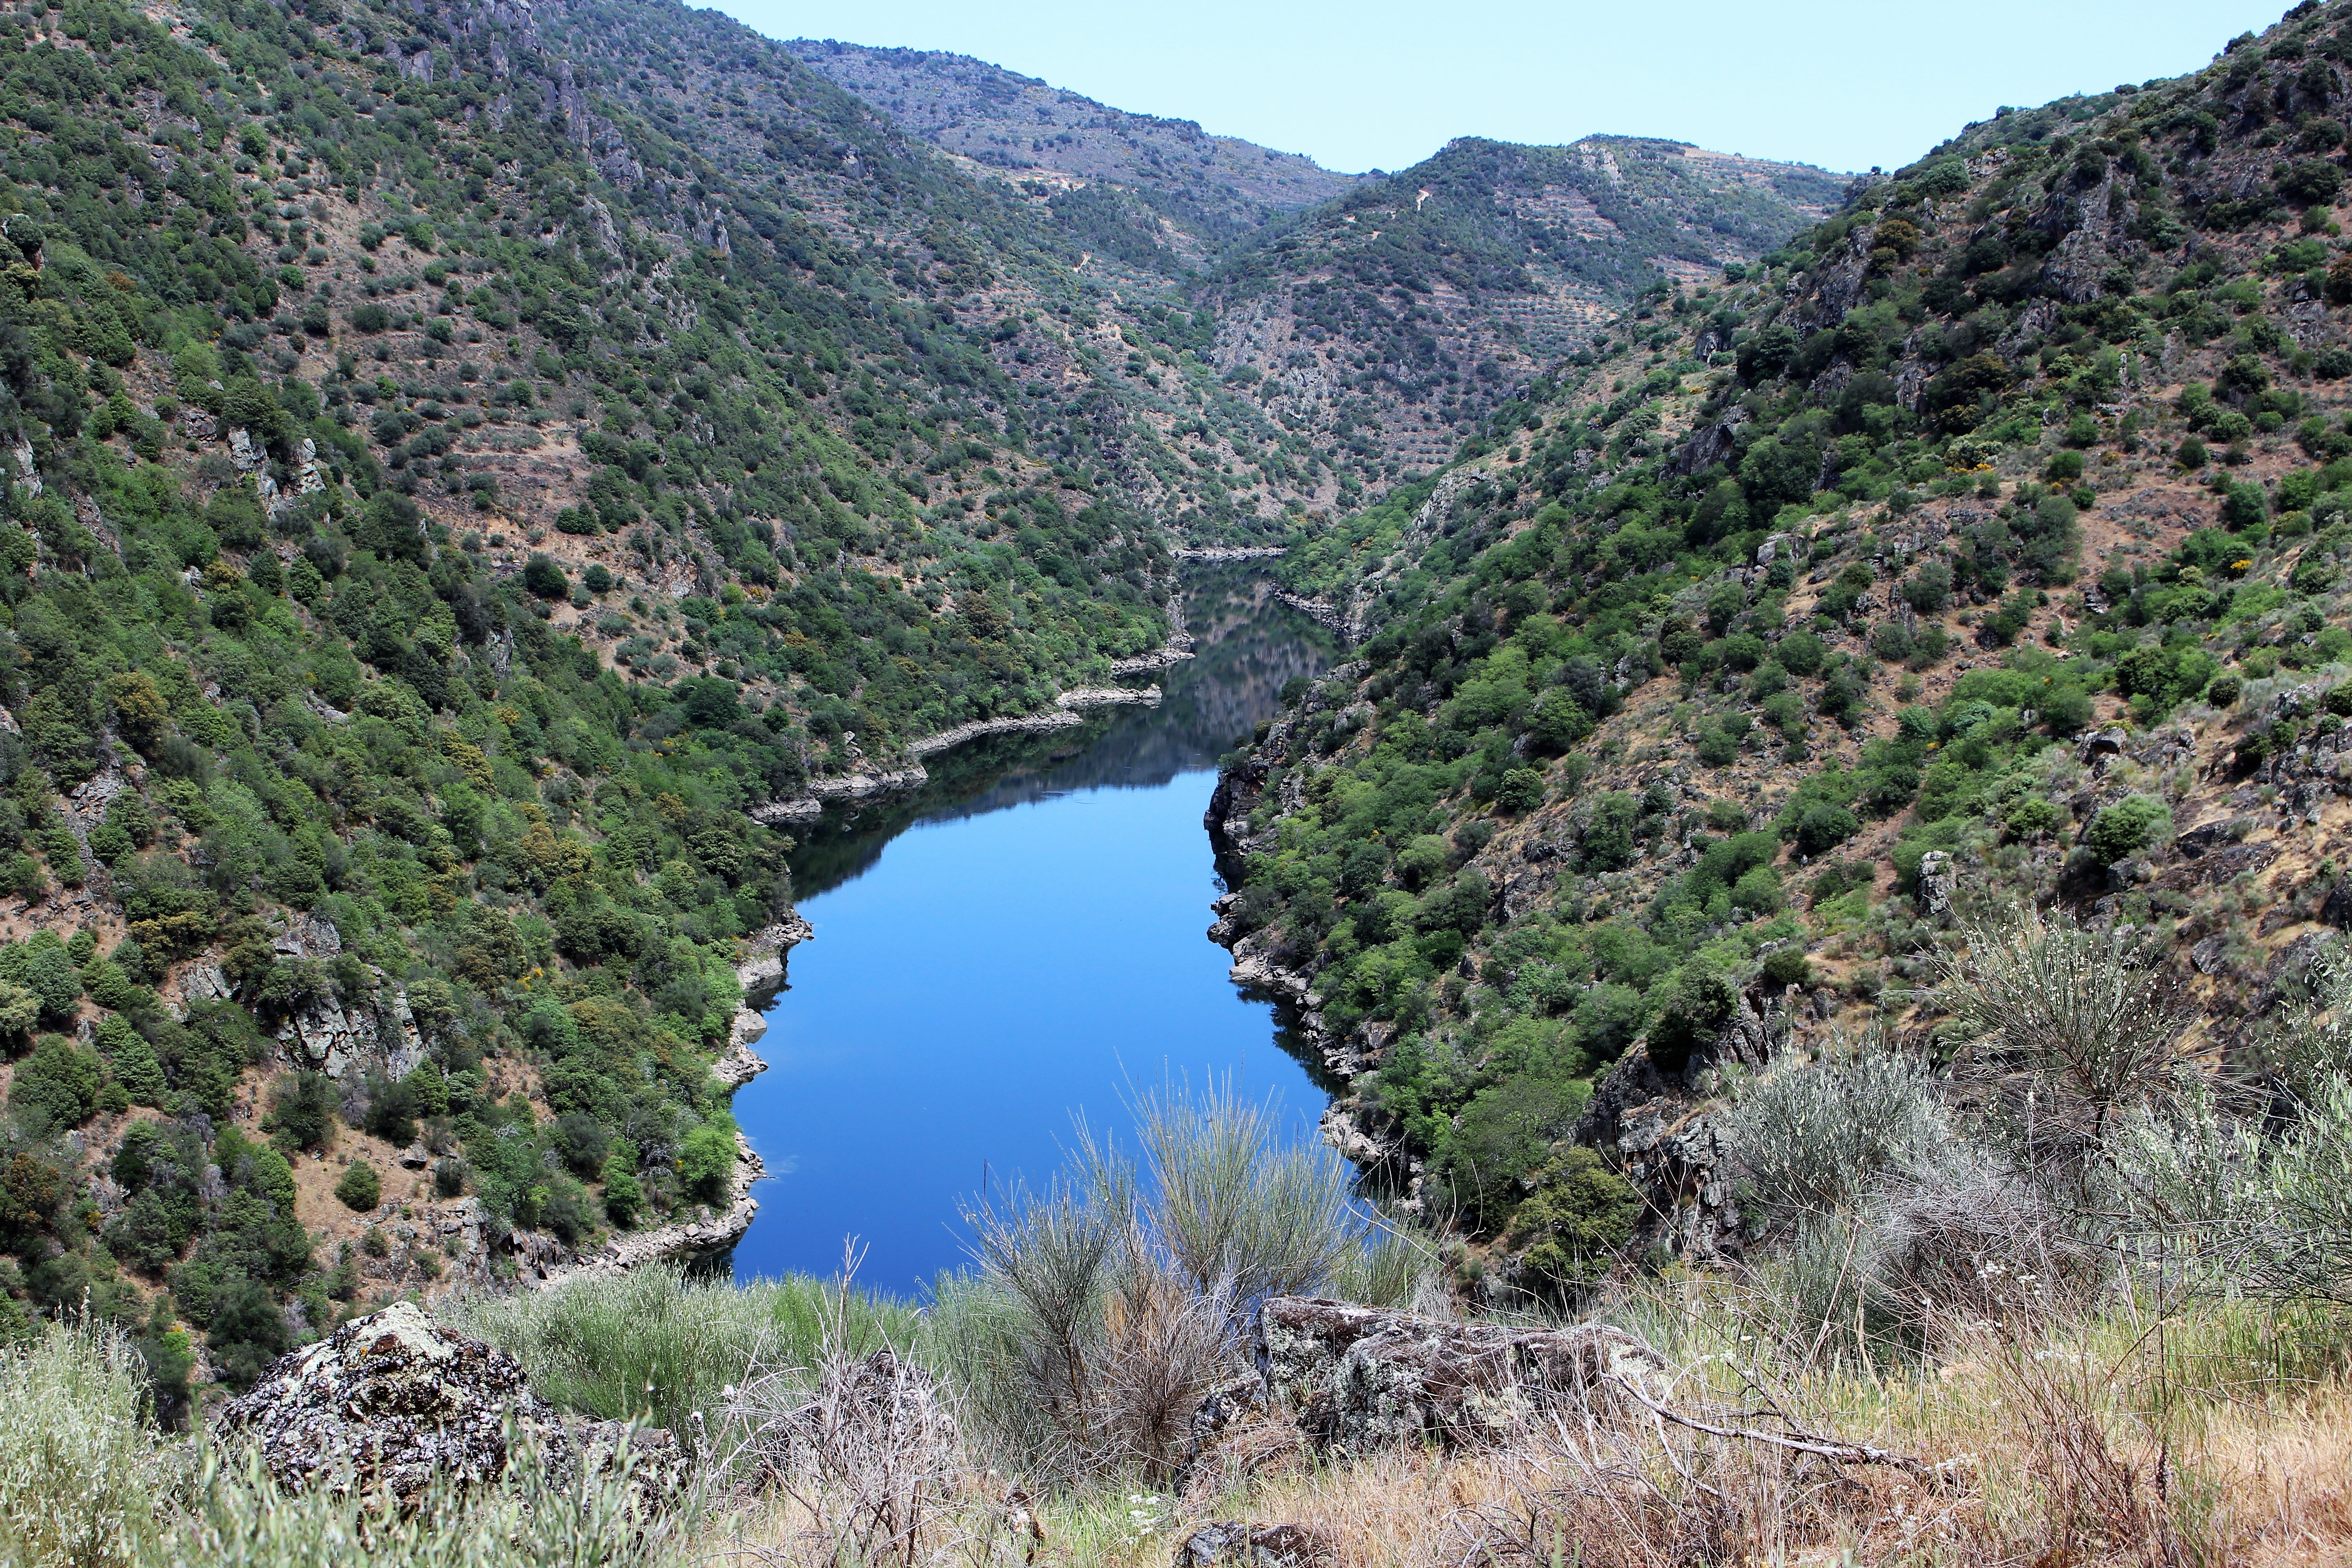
(1938, 883)
(394, 1400)
(1232, 1543)
(1359, 1378)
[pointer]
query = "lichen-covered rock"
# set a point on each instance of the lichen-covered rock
(1229, 1543)
(394, 1400)
(1359, 1378)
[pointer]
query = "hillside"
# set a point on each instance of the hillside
(1982, 546)
(1303, 338)
(1195, 191)
(1393, 320)
(450, 481)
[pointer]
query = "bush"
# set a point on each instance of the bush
(1522, 790)
(1786, 966)
(1505, 1132)
(542, 577)
(359, 1189)
(1805, 1139)
(1579, 1215)
(1697, 1003)
(2130, 824)
(655, 1346)
(706, 1162)
(624, 1194)
(1821, 828)
(1084, 1340)
(58, 1087)
(303, 1112)
(79, 1480)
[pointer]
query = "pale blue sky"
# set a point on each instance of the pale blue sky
(1841, 83)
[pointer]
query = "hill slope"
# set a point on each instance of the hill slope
(1391, 322)
(1205, 189)
(1983, 545)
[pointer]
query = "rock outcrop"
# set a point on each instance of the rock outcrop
(1230, 1544)
(1356, 1378)
(396, 1400)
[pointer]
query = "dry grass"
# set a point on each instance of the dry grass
(2214, 1435)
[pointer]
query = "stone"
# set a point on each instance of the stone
(1359, 1378)
(1232, 1542)
(2211, 955)
(2335, 909)
(1937, 882)
(396, 1400)
(2098, 747)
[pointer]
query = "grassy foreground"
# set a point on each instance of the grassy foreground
(1037, 1409)
(2219, 1433)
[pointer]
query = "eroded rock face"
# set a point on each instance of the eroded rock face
(1359, 1378)
(395, 1399)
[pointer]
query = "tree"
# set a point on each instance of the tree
(623, 1195)
(2130, 824)
(1522, 791)
(542, 577)
(361, 1189)
(393, 526)
(1581, 1213)
(302, 1111)
(707, 1163)
(1696, 1002)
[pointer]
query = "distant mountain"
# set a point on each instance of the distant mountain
(1354, 328)
(1202, 188)
(1399, 314)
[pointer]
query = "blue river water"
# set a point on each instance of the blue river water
(1021, 944)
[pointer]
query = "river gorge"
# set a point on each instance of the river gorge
(1019, 942)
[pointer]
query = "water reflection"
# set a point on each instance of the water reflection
(1247, 647)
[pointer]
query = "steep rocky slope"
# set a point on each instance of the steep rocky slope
(1986, 544)
(1190, 191)
(1391, 322)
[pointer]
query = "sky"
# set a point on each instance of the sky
(1843, 84)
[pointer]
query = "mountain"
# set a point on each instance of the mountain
(1982, 547)
(462, 459)
(1391, 320)
(1342, 331)
(1201, 190)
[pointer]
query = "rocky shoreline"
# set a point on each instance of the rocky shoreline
(1345, 1124)
(1067, 713)
(690, 1241)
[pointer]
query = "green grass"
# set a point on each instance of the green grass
(653, 1345)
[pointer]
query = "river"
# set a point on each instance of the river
(1020, 943)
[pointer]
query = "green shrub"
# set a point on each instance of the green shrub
(624, 1194)
(361, 1189)
(2032, 816)
(1581, 1213)
(1692, 1011)
(58, 1086)
(1504, 1133)
(2130, 824)
(1522, 791)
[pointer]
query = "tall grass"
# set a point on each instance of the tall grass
(77, 1450)
(656, 1346)
(1105, 1306)
(236, 1517)
(86, 1480)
